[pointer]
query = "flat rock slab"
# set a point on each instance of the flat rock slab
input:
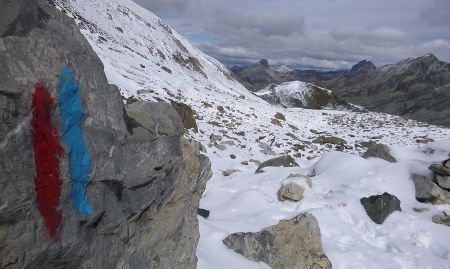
(379, 151)
(294, 243)
(379, 207)
(283, 161)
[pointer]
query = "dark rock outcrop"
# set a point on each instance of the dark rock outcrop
(379, 151)
(144, 184)
(294, 243)
(282, 161)
(363, 67)
(379, 207)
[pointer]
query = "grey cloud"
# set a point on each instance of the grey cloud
(312, 33)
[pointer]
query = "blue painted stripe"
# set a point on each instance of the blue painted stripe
(80, 162)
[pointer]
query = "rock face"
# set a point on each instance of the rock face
(290, 191)
(379, 207)
(379, 151)
(284, 161)
(294, 243)
(144, 181)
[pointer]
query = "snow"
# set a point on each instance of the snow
(245, 201)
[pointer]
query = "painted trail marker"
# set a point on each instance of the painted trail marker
(47, 153)
(79, 159)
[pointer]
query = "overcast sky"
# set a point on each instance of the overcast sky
(311, 33)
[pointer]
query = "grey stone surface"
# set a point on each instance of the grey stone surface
(144, 183)
(290, 191)
(439, 168)
(294, 243)
(379, 151)
(443, 181)
(428, 192)
(441, 219)
(379, 207)
(282, 161)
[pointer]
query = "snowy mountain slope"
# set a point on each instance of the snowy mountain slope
(298, 94)
(243, 125)
(142, 53)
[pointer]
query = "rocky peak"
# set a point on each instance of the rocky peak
(264, 63)
(363, 67)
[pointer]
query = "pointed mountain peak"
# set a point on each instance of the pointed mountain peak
(362, 67)
(264, 62)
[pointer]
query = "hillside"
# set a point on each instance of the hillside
(414, 88)
(239, 130)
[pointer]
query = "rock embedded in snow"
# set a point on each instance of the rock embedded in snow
(276, 122)
(203, 212)
(428, 191)
(294, 243)
(330, 140)
(290, 191)
(379, 207)
(379, 151)
(229, 172)
(439, 168)
(443, 219)
(280, 116)
(447, 163)
(282, 161)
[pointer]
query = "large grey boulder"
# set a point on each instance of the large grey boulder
(294, 243)
(144, 183)
(428, 192)
(379, 207)
(282, 161)
(379, 151)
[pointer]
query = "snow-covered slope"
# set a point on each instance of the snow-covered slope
(135, 45)
(298, 94)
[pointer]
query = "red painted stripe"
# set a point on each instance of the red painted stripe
(47, 153)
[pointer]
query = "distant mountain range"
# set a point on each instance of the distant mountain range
(417, 88)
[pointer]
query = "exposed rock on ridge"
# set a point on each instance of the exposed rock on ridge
(144, 184)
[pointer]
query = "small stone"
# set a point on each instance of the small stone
(330, 140)
(439, 168)
(214, 138)
(282, 161)
(221, 109)
(244, 163)
(229, 172)
(232, 156)
(280, 116)
(203, 212)
(420, 210)
(254, 161)
(290, 191)
(241, 133)
(379, 151)
(443, 219)
(379, 207)
(276, 122)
